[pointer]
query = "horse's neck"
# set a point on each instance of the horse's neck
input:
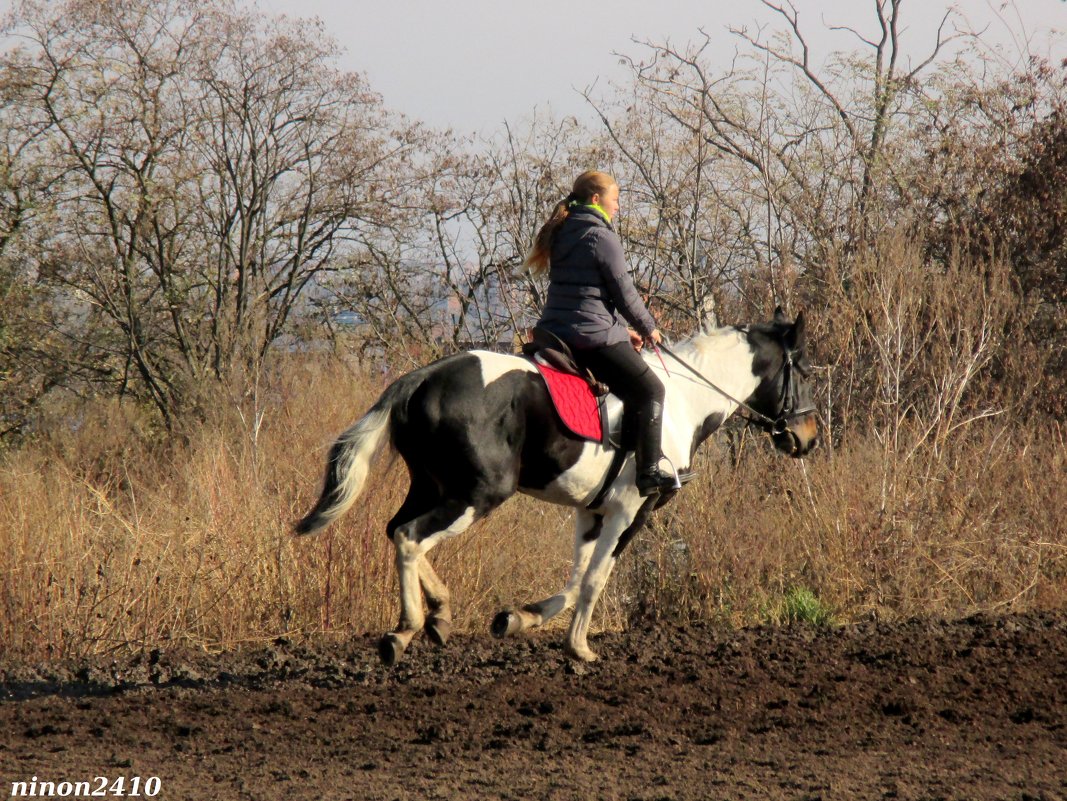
(723, 357)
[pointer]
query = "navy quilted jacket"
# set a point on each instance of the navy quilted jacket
(591, 296)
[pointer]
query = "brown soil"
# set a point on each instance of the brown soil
(970, 710)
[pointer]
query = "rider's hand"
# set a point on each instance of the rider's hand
(635, 339)
(655, 337)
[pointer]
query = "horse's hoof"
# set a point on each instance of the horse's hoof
(505, 624)
(390, 649)
(583, 654)
(438, 630)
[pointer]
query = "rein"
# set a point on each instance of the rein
(787, 412)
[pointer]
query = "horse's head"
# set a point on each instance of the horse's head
(784, 394)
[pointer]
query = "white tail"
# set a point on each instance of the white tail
(347, 468)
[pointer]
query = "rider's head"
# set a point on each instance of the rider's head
(596, 188)
(592, 187)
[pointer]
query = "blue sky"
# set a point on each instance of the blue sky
(471, 64)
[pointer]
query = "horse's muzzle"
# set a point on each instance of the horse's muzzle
(796, 437)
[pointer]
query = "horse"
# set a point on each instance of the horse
(478, 426)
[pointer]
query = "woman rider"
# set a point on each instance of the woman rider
(589, 288)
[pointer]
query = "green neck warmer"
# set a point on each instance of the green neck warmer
(595, 207)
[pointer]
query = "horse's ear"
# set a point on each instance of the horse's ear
(779, 315)
(796, 335)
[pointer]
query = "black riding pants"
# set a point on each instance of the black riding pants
(630, 378)
(624, 371)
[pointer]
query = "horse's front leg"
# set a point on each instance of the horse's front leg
(587, 528)
(620, 526)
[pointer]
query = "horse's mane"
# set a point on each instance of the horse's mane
(706, 343)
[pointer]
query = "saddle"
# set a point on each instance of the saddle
(544, 347)
(581, 403)
(579, 399)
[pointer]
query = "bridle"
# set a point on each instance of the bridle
(788, 403)
(788, 411)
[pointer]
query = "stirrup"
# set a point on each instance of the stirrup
(680, 478)
(655, 482)
(658, 481)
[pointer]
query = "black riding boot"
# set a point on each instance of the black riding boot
(651, 480)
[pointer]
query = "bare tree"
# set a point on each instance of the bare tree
(749, 177)
(25, 374)
(209, 168)
(448, 274)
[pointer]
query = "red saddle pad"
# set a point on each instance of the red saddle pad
(575, 403)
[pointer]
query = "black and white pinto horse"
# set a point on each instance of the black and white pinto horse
(476, 427)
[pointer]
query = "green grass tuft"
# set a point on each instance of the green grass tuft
(801, 605)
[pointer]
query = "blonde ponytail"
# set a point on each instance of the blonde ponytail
(537, 260)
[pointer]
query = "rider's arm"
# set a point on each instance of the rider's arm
(621, 286)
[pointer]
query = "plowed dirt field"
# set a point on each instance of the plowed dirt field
(972, 709)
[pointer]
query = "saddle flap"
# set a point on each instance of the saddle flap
(578, 409)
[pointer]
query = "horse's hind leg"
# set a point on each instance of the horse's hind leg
(587, 527)
(438, 599)
(411, 540)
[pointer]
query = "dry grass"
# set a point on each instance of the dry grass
(980, 529)
(111, 541)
